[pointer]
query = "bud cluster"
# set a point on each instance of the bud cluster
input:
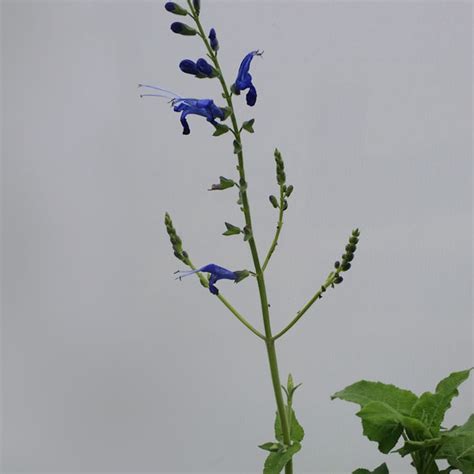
(176, 242)
(348, 256)
(201, 68)
(281, 180)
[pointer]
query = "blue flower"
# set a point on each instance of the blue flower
(188, 106)
(244, 79)
(216, 272)
(213, 40)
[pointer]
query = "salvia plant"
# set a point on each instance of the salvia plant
(221, 115)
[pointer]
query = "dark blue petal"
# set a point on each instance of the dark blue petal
(184, 123)
(213, 289)
(188, 66)
(251, 96)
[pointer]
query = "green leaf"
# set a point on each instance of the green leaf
(296, 430)
(365, 392)
(231, 229)
(275, 462)
(458, 448)
(248, 125)
(237, 147)
(385, 425)
(431, 407)
(271, 446)
(220, 129)
(382, 469)
(224, 183)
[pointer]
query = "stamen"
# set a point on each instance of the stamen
(159, 89)
(185, 273)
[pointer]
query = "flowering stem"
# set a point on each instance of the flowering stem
(269, 340)
(227, 304)
(329, 281)
(278, 230)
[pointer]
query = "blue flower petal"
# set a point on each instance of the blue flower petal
(251, 96)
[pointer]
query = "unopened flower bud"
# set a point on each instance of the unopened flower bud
(274, 201)
(213, 40)
(175, 8)
(182, 29)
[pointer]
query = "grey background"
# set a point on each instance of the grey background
(111, 365)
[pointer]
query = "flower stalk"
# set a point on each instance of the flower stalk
(288, 432)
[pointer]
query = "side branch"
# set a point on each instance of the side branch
(334, 278)
(330, 281)
(278, 230)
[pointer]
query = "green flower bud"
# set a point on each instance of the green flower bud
(289, 190)
(274, 201)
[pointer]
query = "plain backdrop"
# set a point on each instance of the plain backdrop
(109, 364)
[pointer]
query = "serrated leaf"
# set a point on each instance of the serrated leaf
(431, 407)
(458, 448)
(382, 469)
(231, 229)
(365, 392)
(296, 430)
(275, 462)
(248, 125)
(220, 129)
(271, 446)
(385, 425)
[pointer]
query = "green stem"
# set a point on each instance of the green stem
(278, 230)
(269, 342)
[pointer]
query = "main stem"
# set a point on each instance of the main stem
(269, 342)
